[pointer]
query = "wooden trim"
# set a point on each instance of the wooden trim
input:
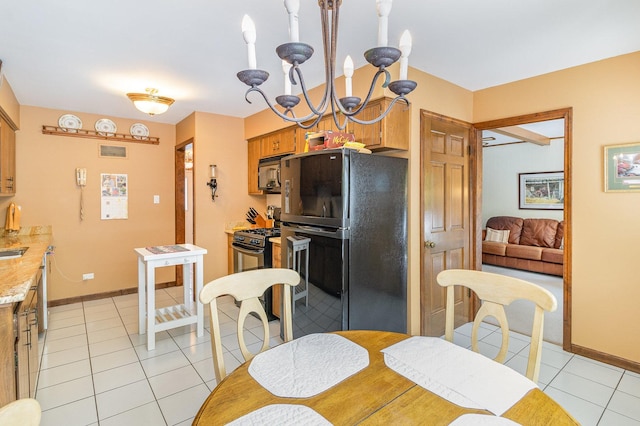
(606, 358)
(97, 296)
(567, 115)
(10, 122)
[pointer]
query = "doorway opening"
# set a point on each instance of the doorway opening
(516, 142)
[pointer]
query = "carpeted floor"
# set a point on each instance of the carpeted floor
(520, 312)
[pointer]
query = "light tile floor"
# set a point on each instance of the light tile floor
(96, 370)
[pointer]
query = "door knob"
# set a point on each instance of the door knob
(429, 244)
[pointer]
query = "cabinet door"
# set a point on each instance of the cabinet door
(32, 322)
(229, 254)
(22, 352)
(253, 157)
(7, 355)
(7, 158)
(368, 134)
(392, 132)
(279, 143)
(277, 290)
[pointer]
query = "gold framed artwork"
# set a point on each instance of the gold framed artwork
(622, 168)
(541, 191)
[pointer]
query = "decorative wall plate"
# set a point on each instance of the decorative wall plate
(106, 127)
(69, 123)
(139, 131)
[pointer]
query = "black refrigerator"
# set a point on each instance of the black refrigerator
(353, 208)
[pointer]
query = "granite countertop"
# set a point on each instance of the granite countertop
(19, 274)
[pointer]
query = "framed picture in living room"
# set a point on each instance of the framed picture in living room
(541, 191)
(622, 168)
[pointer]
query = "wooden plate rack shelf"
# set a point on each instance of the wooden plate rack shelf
(92, 134)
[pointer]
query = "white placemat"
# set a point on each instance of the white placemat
(282, 414)
(309, 365)
(459, 375)
(482, 420)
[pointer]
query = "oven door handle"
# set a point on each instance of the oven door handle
(250, 252)
(336, 233)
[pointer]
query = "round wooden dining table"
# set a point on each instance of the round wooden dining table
(375, 395)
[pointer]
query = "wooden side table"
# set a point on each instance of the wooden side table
(154, 320)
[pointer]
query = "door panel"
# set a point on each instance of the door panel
(446, 228)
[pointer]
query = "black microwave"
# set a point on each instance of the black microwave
(269, 175)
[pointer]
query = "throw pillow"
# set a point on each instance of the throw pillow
(499, 236)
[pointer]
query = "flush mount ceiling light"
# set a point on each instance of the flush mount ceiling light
(294, 53)
(149, 102)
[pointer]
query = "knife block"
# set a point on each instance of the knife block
(260, 222)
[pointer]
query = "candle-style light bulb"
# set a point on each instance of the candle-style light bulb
(293, 6)
(405, 49)
(348, 73)
(249, 35)
(287, 83)
(384, 8)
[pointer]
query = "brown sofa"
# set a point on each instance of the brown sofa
(535, 245)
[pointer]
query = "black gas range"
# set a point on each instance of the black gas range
(255, 238)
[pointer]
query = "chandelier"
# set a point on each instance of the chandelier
(149, 102)
(294, 54)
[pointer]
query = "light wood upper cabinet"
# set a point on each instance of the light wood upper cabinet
(7, 159)
(279, 143)
(390, 133)
(253, 157)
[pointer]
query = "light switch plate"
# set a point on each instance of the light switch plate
(156, 199)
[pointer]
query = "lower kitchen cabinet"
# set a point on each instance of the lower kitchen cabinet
(277, 290)
(19, 347)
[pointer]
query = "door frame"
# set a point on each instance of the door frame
(179, 191)
(567, 115)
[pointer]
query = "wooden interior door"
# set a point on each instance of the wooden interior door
(446, 226)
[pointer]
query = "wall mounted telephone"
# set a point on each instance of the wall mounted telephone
(81, 176)
(81, 181)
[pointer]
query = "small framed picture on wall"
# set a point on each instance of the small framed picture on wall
(541, 191)
(622, 168)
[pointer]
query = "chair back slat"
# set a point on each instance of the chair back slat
(497, 291)
(246, 287)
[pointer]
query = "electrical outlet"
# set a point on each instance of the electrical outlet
(88, 276)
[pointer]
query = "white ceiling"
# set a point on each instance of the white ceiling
(79, 55)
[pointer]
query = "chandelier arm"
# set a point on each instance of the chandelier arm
(322, 107)
(292, 119)
(384, 114)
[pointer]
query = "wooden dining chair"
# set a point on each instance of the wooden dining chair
(22, 412)
(497, 291)
(246, 287)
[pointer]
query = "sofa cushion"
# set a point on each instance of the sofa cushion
(539, 232)
(499, 236)
(560, 236)
(513, 224)
(553, 255)
(524, 252)
(492, 247)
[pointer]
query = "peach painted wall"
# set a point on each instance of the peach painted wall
(47, 192)
(604, 96)
(219, 140)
